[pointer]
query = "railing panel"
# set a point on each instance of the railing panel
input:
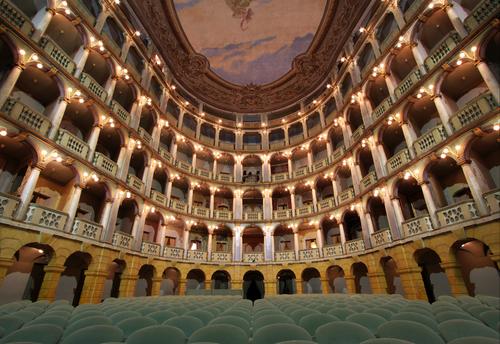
(333, 251)
(481, 13)
(134, 182)
(105, 164)
(368, 180)
(158, 197)
(87, 229)
(282, 214)
(253, 216)
(223, 214)
(407, 83)
(381, 237)
(253, 257)
(473, 110)
(72, 143)
(354, 246)
(346, 195)
(201, 211)
(416, 226)
(8, 205)
(442, 49)
(27, 116)
(279, 177)
(456, 213)
(120, 111)
(493, 201)
(178, 205)
(284, 256)
(397, 161)
(173, 252)
(428, 140)
(224, 257)
(122, 240)
(16, 17)
(92, 85)
(309, 254)
(57, 54)
(46, 217)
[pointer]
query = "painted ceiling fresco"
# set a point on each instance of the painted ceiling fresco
(250, 41)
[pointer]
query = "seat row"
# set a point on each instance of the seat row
(281, 319)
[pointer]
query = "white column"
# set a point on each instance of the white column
(477, 187)
(356, 181)
(190, 199)
(420, 54)
(369, 223)
(329, 150)
(186, 242)
(266, 170)
(290, 168)
(72, 206)
(267, 206)
(56, 117)
(237, 207)
(238, 170)
(168, 192)
(237, 246)
(342, 234)
(9, 83)
(164, 101)
(304, 128)
(193, 160)
(148, 178)
(138, 228)
(319, 240)
(429, 201)
(315, 198)
(488, 77)
(81, 59)
(292, 202)
(335, 191)
(268, 253)
(107, 234)
(212, 202)
(27, 192)
(309, 160)
(455, 20)
(380, 156)
(173, 150)
(41, 21)
(214, 169)
(198, 129)
(110, 88)
(155, 135)
(101, 20)
(287, 138)
(93, 139)
(126, 47)
(217, 132)
(393, 212)
(398, 212)
(410, 137)
(445, 112)
(160, 238)
(106, 213)
(296, 244)
(181, 119)
(124, 161)
(209, 245)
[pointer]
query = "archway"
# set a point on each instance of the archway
(253, 285)
(286, 282)
(221, 280)
(144, 285)
(336, 279)
(394, 284)
(311, 281)
(70, 284)
(170, 283)
(479, 271)
(114, 278)
(195, 279)
(24, 277)
(361, 281)
(435, 280)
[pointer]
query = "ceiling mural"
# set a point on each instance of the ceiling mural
(250, 41)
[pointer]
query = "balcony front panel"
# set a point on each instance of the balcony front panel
(442, 49)
(221, 257)
(178, 205)
(276, 144)
(282, 214)
(457, 213)
(72, 143)
(252, 147)
(407, 83)
(354, 246)
(223, 215)
(123, 114)
(481, 13)
(430, 139)
(16, 17)
(87, 229)
(92, 85)
(493, 201)
(301, 171)
(150, 248)
(57, 54)
(165, 154)
(309, 254)
(226, 145)
(314, 130)
(8, 205)
(135, 183)
(46, 217)
(284, 256)
(173, 252)
(203, 173)
(382, 108)
(304, 210)
(296, 139)
(332, 251)
(105, 164)
(397, 161)
(253, 257)
(111, 45)
(473, 110)
(346, 195)
(201, 211)
(27, 116)
(416, 226)
(122, 240)
(381, 237)
(320, 164)
(183, 165)
(368, 180)
(200, 256)
(326, 204)
(253, 216)
(224, 177)
(279, 177)
(158, 197)
(337, 153)
(146, 137)
(412, 10)
(356, 135)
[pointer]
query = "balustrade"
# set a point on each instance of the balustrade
(158, 197)
(46, 217)
(354, 246)
(368, 180)
(398, 160)
(481, 13)
(493, 201)
(338, 153)
(145, 135)
(326, 204)
(456, 213)
(123, 114)
(57, 54)
(221, 257)
(346, 195)
(382, 108)
(301, 171)
(356, 135)
(72, 143)
(223, 214)
(105, 164)
(279, 177)
(407, 83)
(333, 251)
(8, 205)
(252, 215)
(417, 225)
(26, 115)
(183, 165)
(173, 252)
(473, 110)
(150, 248)
(284, 256)
(178, 205)
(428, 140)
(135, 183)
(309, 254)
(304, 210)
(253, 257)
(282, 214)
(16, 17)
(381, 237)
(90, 84)
(87, 229)
(442, 49)
(200, 211)
(122, 240)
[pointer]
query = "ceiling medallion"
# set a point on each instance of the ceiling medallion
(192, 70)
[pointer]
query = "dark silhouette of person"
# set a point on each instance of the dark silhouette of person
(253, 292)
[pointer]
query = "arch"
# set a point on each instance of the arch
(352, 225)
(479, 271)
(170, 283)
(376, 207)
(221, 279)
(113, 279)
(392, 277)
(336, 279)
(92, 201)
(252, 239)
(72, 279)
(283, 238)
(24, 278)
(114, 32)
(361, 281)
(402, 62)
(144, 285)
(127, 213)
(483, 150)
(253, 285)
(331, 231)
(195, 279)
(125, 94)
(433, 275)
(311, 281)
(68, 36)
(286, 282)
(135, 60)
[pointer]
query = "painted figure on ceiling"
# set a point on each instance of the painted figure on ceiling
(241, 9)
